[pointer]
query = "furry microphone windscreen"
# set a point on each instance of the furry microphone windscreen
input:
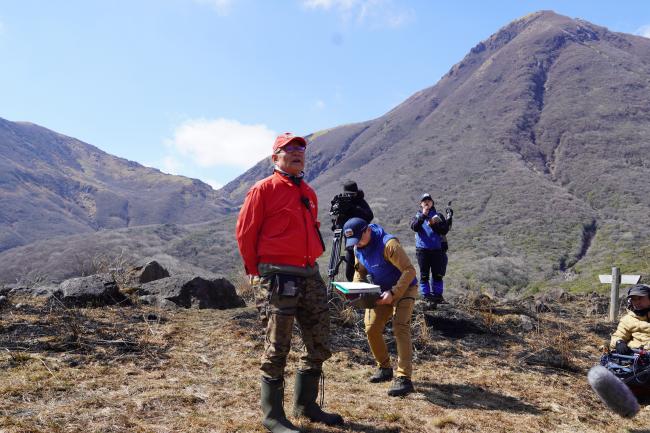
(613, 392)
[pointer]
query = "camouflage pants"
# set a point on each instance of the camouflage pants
(280, 299)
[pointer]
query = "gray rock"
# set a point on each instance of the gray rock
(148, 299)
(556, 295)
(151, 271)
(38, 291)
(94, 290)
(189, 291)
(527, 323)
(598, 306)
(541, 307)
(3, 300)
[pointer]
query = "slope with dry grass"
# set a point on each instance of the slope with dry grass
(139, 369)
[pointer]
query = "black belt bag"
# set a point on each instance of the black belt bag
(288, 285)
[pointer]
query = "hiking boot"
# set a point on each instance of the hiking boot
(428, 298)
(437, 299)
(305, 393)
(400, 387)
(381, 375)
(272, 398)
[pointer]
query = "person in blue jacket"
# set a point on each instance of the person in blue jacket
(381, 260)
(430, 228)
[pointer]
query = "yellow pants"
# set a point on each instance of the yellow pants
(375, 320)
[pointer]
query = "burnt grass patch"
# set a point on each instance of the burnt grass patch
(80, 335)
(454, 327)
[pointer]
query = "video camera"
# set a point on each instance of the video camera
(342, 205)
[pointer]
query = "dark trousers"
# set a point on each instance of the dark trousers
(431, 263)
(349, 264)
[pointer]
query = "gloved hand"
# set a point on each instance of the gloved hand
(622, 348)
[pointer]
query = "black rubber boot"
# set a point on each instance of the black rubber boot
(272, 399)
(381, 375)
(305, 395)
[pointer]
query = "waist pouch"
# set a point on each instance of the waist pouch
(287, 280)
(267, 269)
(288, 285)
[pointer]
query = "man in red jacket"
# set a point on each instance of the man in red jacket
(279, 241)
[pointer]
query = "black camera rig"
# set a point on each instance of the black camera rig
(342, 205)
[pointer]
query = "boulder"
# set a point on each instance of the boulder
(151, 271)
(190, 291)
(94, 290)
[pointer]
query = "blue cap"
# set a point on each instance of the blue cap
(352, 230)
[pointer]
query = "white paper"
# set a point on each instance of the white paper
(357, 287)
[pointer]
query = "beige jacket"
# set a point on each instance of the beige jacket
(634, 330)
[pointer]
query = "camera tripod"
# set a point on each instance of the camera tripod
(335, 259)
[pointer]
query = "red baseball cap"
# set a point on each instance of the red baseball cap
(286, 138)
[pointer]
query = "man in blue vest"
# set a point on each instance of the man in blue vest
(381, 260)
(430, 228)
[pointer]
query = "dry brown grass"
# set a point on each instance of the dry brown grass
(138, 369)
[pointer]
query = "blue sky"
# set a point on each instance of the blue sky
(201, 87)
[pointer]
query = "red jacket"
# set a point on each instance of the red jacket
(274, 225)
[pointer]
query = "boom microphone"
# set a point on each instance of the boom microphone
(613, 392)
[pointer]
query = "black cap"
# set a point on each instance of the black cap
(425, 196)
(350, 186)
(638, 290)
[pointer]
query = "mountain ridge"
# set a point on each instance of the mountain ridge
(52, 184)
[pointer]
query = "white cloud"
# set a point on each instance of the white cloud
(644, 31)
(221, 6)
(329, 4)
(319, 104)
(209, 143)
(376, 13)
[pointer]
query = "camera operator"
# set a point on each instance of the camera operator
(349, 204)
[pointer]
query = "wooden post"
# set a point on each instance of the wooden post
(613, 300)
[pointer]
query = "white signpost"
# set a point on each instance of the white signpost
(616, 279)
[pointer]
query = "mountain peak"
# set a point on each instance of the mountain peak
(530, 131)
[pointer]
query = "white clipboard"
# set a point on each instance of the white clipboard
(352, 288)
